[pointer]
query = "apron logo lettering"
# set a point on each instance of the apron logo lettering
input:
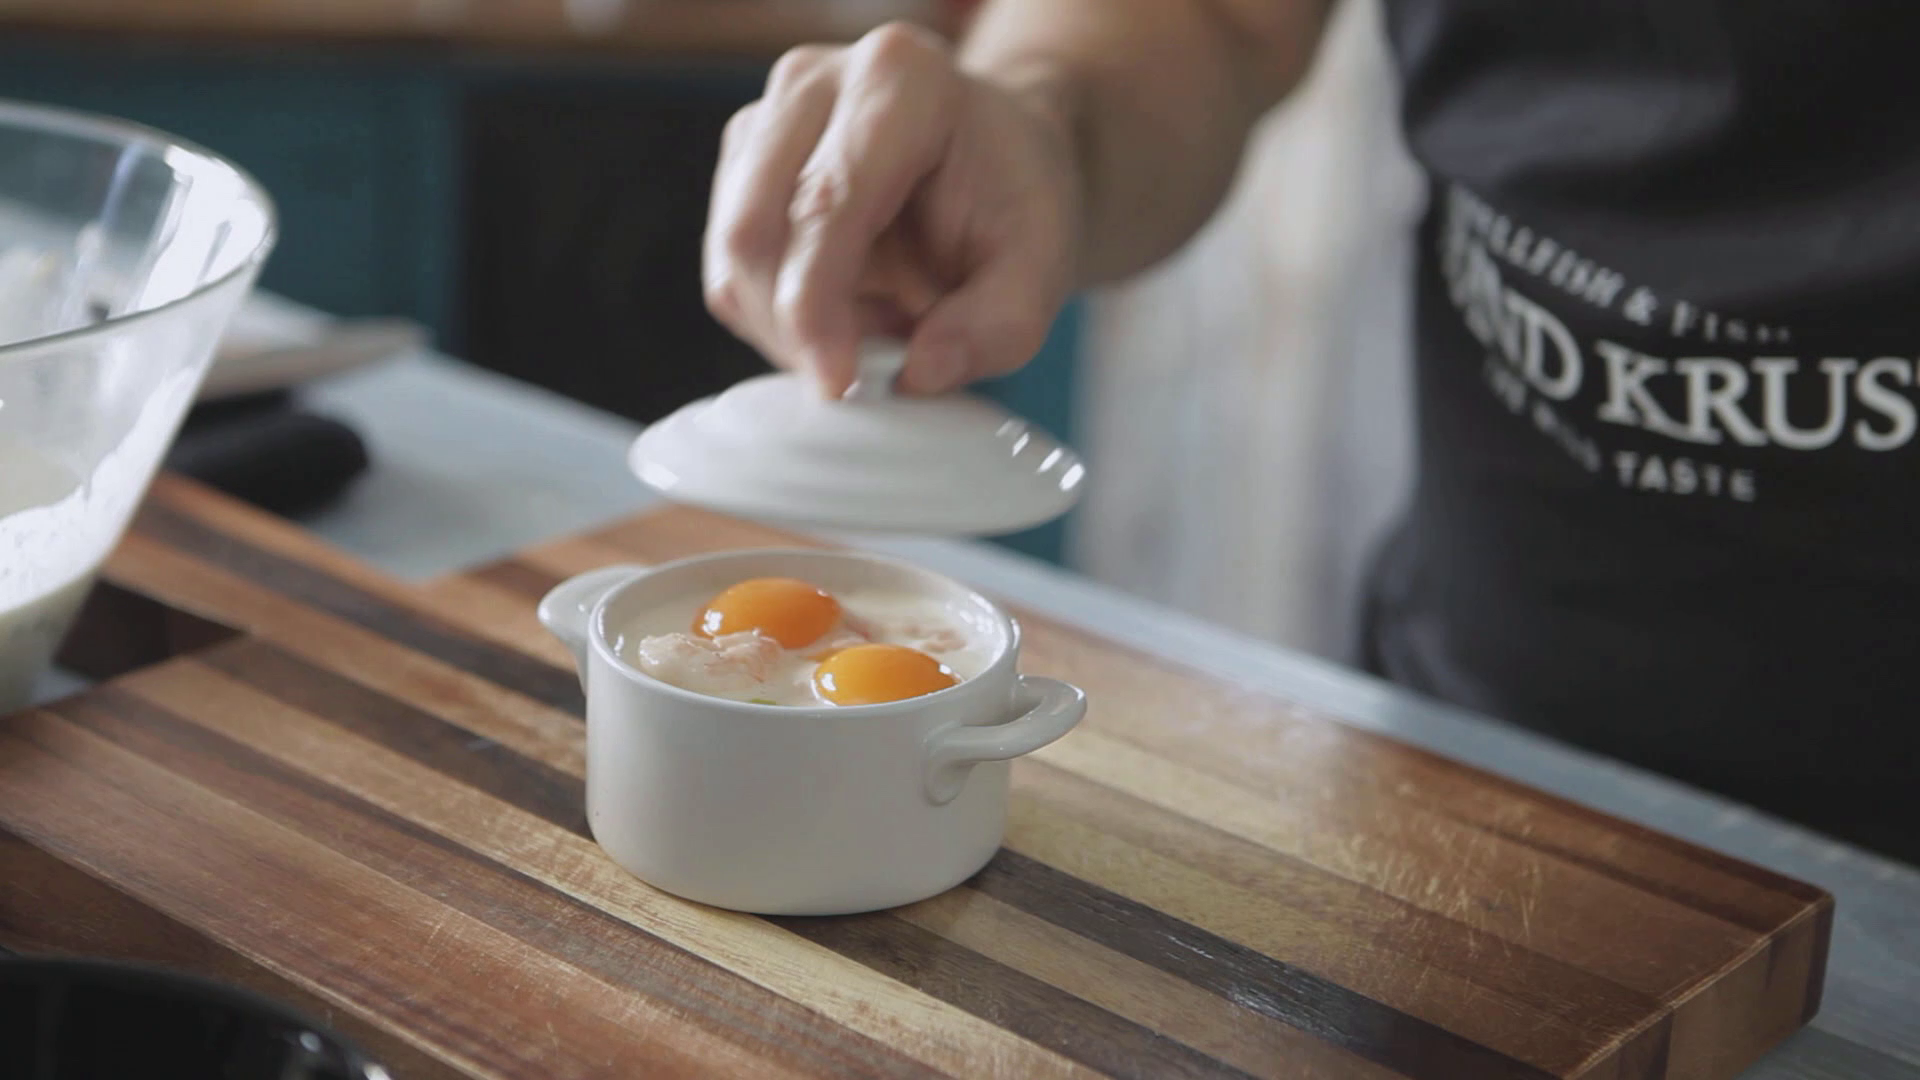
(1526, 335)
(1683, 476)
(1774, 371)
(1893, 407)
(1536, 366)
(1715, 386)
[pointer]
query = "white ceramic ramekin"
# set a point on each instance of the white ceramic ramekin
(797, 810)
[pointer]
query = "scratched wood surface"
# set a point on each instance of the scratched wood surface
(364, 798)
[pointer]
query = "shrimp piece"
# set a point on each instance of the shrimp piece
(725, 666)
(852, 630)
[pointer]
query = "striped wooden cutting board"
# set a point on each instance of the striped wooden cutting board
(364, 798)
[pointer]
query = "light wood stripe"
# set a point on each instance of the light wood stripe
(398, 623)
(486, 708)
(1235, 922)
(1252, 741)
(1008, 996)
(1492, 887)
(506, 618)
(49, 907)
(178, 496)
(1245, 1038)
(1330, 925)
(532, 785)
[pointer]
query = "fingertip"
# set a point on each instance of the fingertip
(832, 373)
(811, 309)
(833, 387)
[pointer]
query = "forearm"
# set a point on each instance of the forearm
(1158, 98)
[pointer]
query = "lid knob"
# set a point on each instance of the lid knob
(881, 362)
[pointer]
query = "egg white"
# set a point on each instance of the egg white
(753, 668)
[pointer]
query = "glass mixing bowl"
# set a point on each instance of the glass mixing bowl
(123, 254)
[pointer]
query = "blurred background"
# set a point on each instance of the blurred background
(527, 181)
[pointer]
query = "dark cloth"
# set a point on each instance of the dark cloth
(265, 450)
(1668, 316)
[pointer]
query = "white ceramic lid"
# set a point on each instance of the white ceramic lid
(772, 448)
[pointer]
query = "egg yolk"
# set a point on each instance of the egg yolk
(872, 674)
(793, 613)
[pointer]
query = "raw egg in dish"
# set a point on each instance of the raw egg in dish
(794, 613)
(877, 673)
(764, 640)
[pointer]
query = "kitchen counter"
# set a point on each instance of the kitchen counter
(470, 466)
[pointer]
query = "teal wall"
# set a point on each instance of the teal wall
(361, 151)
(358, 155)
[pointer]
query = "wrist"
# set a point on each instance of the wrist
(1054, 101)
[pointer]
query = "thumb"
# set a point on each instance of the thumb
(994, 323)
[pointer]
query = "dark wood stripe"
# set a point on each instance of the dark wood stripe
(120, 630)
(1008, 998)
(728, 1006)
(54, 908)
(1247, 977)
(1472, 776)
(322, 591)
(516, 577)
(441, 745)
(1706, 858)
(1381, 920)
(1726, 911)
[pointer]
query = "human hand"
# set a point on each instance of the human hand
(878, 189)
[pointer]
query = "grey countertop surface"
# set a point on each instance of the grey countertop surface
(470, 466)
